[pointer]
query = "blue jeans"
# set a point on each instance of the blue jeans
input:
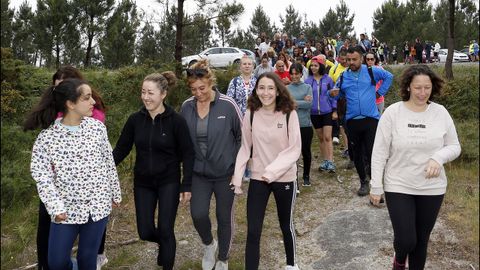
(62, 237)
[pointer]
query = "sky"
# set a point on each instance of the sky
(313, 9)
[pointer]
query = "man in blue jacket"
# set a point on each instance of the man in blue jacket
(357, 85)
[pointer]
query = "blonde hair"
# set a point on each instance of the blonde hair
(165, 81)
(201, 65)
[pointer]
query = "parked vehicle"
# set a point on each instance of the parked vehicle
(457, 56)
(250, 54)
(217, 56)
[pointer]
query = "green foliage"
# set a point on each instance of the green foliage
(23, 33)
(6, 31)
(292, 23)
(260, 23)
(118, 43)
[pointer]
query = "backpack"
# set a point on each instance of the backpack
(370, 73)
(251, 124)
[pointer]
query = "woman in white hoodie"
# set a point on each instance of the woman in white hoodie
(414, 139)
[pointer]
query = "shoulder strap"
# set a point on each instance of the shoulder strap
(340, 80)
(288, 118)
(370, 72)
(251, 125)
(235, 80)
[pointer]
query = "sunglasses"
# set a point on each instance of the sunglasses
(197, 72)
(370, 59)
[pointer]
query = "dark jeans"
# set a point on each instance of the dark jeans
(202, 191)
(257, 199)
(361, 132)
(62, 237)
(43, 232)
(166, 197)
(306, 134)
(413, 218)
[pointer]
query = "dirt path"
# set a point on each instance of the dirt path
(335, 228)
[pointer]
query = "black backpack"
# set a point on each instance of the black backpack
(370, 73)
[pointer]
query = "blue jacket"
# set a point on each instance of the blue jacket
(322, 103)
(360, 93)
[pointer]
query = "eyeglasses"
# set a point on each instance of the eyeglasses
(370, 59)
(197, 72)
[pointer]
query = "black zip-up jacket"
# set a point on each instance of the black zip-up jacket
(161, 145)
(224, 136)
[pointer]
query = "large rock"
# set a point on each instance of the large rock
(354, 239)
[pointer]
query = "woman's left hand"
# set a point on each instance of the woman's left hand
(433, 169)
(185, 197)
(334, 116)
(115, 205)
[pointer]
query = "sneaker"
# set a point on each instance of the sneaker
(208, 260)
(323, 165)
(331, 166)
(398, 266)
(289, 267)
(335, 140)
(101, 261)
(364, 189)
(221, 265)
(306, 181)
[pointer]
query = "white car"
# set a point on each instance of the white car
(217, 56)
(457, 56)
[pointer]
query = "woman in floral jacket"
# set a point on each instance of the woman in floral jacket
(73, 167)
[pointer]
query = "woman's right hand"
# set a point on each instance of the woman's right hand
(375, 199)
(236, 189)
(334, 92)
(61, 217)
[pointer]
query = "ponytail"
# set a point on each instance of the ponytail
(43, 114)
(52, 102)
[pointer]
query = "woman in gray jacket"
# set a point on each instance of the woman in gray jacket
(214, 121)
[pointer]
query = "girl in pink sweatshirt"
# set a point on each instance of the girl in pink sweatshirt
(271, 137)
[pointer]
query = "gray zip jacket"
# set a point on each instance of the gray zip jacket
(224, 136)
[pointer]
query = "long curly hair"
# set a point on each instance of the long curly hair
(283, 102)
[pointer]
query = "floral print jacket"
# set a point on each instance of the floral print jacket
(75, 171)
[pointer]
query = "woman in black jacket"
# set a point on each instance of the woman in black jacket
(162, 142)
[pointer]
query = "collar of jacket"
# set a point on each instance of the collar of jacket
(168, 111)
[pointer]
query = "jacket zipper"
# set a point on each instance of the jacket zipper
(150, 147)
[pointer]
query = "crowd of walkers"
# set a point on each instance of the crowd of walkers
(252, 136)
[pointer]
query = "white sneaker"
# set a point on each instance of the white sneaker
(335, 140)
(208, 261)
(289, 267)
(101, 261)
(221, 265)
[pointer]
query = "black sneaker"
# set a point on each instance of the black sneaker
(364, 189)
(306, 181)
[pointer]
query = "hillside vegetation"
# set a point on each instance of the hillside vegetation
(22, 85)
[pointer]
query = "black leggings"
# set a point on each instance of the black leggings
(257, 199)
(306, 134)
(413, 218)
(166, 196)
(43, 232)
(361, 132)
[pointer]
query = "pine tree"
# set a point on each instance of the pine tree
(7, 17)
(117, 46)
(23, 34)
(260, 23)
(292, 23)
